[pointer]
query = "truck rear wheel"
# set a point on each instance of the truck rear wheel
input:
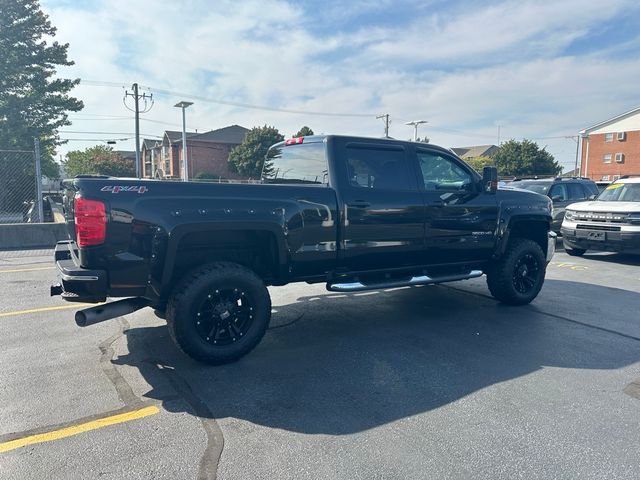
(219, 313)
(517, 277)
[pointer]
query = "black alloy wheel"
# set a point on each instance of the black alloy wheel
(224, 316)
(525, 273)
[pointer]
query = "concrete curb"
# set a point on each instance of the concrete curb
(31, 235)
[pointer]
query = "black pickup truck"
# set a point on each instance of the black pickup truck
(354, 213)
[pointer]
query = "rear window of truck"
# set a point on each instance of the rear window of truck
(300, 163)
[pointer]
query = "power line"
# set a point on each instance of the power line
(95, 83)
(107, 133)
(94, 139)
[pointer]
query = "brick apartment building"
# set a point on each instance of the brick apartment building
(611, 148)
(207, 153)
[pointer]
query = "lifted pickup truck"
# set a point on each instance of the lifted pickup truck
(354, 213)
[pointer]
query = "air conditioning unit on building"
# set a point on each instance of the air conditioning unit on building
(620, 157)
(622, 136)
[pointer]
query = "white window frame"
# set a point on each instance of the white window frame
(605, 178)
(619, 157)
(606, 158)
(608, 137)
(622, 136)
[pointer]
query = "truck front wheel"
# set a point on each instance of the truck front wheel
(517, 277)
(219, 312)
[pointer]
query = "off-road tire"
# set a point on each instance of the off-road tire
(517, 277)
(196, 306)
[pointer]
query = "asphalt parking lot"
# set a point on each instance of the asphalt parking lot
(429, 382)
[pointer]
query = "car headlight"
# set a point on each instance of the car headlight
(569, 214)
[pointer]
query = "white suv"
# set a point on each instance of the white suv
(611, 222)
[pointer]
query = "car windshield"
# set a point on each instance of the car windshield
(538, 187)
(621, 192)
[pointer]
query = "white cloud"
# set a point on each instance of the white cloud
(462, 69)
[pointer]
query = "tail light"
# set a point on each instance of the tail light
(91, 222)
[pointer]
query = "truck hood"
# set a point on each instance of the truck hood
(599, 206)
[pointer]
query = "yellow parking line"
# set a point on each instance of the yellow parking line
(77, 429)
(46, 309)
(26, 269)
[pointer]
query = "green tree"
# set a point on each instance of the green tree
(33, 103)
(248, 158)
(478, 163)
(98, 160)
(304, 132)
(525, 158)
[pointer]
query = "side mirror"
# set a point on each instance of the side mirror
(592, 197)
(556, 198)
(490, 179)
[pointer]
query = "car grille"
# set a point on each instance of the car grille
(600, 217)
(605, 228)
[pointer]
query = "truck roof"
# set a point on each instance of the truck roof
(322, 138)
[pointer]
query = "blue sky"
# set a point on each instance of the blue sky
(541, 70)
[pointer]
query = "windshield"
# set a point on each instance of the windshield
(621, 192)
(541, 188)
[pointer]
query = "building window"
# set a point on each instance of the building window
(622, 136)
(605, 178)
(606, 158)
(620, 157)
(608, 137)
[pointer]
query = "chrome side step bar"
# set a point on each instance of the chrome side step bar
(358, 286)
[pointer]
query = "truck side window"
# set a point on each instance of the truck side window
(382, 169)
(442, 173)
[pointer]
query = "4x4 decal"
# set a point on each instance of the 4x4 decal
(124, 188)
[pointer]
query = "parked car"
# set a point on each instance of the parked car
(561, 190)
(353, 213)
(610, 223)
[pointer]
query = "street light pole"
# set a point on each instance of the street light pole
(415, 124)
(185, 160)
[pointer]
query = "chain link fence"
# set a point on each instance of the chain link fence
(18, 189)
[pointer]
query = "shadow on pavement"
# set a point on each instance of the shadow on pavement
(355, 362)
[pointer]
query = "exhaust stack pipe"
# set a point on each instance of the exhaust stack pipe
(100, 313)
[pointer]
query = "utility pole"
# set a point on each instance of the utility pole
(415, 124)
(136, 102)
(386, 123)
(185, 157)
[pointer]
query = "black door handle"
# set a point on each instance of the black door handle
(359, 204)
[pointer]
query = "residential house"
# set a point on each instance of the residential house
(207, 153)
(611, 148)
(127, 155)
(475, 151)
